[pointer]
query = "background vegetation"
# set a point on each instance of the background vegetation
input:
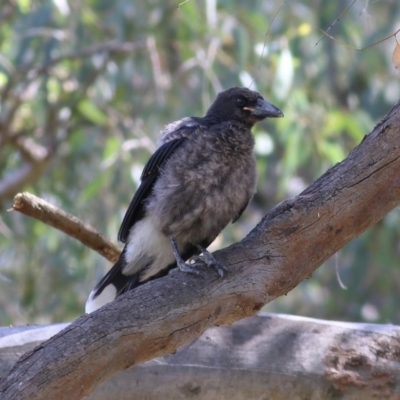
(86, 86)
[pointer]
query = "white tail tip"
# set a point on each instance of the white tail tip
(108, 294)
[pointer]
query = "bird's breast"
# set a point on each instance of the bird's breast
(203, 186)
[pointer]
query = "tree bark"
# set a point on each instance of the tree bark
(262, 357)
(289, 243)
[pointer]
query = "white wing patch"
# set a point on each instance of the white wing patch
(147, 250)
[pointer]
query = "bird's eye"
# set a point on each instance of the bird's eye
(240, 101)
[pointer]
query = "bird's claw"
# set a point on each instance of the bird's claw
(209, 260)
(190, 269)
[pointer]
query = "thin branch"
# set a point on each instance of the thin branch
(325, 33)
(265, 39)
(161, 78)
(27, 173)
(35, 207)
(349, 46)
(8, 10)
(181, 4)
(335, 21)
(29, 149)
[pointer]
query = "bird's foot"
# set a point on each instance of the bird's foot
(185, 267)
(206, 258)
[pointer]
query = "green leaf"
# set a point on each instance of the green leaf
(111, 148)
(93, 113)
(24, 6)
(3, 79)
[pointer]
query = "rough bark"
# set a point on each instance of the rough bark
(262, 357)
(290, 242)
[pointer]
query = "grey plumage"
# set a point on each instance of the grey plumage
(201, 177)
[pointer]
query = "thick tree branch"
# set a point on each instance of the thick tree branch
(286, 247)
(268, 356)
(35, 207)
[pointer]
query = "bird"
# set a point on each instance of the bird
(201, 177)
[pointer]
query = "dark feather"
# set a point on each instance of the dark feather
(114, 276)
(149, 176)
(239, 214)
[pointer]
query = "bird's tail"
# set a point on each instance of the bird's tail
(113, 284)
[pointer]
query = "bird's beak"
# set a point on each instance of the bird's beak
(264, 109)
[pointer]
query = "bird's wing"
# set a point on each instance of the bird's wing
(149, 176)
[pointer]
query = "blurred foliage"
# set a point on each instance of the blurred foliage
(86, 86)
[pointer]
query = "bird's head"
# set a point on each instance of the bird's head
(242, 104)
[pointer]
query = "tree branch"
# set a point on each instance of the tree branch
(35, 207)
(253, 359)
(26, 173)
(37, 158)
(286, 247)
